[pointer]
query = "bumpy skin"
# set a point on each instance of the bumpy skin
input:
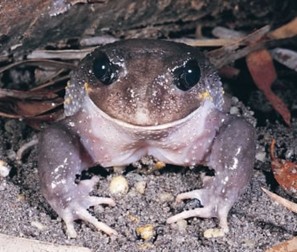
(142, 111)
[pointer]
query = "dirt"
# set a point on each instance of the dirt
(256, 223)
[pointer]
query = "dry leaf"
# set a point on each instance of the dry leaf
(285, 172)
(287, 246)
(229, 72)
(286, 57)
(263, 72)
(233, 51)
(282, 201)
(286, 31)
(42, 103)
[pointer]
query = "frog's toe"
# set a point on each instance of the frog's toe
(212, 207)
(203, 212)
(195, 194)
(78, 211)
(74, 207)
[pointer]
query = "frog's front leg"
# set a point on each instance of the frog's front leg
(232, 157)
(61, 159)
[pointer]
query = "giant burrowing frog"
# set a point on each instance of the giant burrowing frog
(135, 98)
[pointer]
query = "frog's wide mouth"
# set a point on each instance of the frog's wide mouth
(202, 112)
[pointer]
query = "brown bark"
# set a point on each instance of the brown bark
(31, 23)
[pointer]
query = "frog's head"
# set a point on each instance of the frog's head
(144, 82)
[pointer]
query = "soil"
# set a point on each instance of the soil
(256, 222)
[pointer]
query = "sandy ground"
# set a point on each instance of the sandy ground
(256, 223)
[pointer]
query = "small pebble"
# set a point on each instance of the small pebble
(140, 187)
(181, 225)
(118, 185)
(98, 209)
(159, 165)
(261, 156)
(234, 111)
(166, 197)
(4, 169)
(146, 232)
(249, 243)
(11, 126)
(3, 185)
(11, 154)
(289, 153)
(38, 225)
(235, 99)
(213, 233)
(20, 198)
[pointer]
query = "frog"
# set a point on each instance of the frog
(145, 97)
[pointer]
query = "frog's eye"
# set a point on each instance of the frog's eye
(104, 70)
(188, 75)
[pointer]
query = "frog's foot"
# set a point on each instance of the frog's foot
(78, 210)
(212, 207)
(77, 205)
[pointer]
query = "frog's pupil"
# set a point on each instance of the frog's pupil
(103, 69)
(188, 75)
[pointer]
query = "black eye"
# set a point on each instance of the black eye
(187, 76)
(104, 70)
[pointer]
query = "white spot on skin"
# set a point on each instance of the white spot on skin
(58, 172)
(55, 183)
(69, 199)
(234, 166)
(132, 92)
(225, 180)
(71, 124)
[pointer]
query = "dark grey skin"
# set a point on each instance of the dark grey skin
(145, 97)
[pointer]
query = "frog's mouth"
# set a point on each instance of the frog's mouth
(198, 115)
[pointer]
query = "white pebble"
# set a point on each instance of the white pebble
(234, 99)
(118, 185)
(3, 185)
(261, 156)
(166, 197)
(213, 233)
(140, 187)
(289, 153)
(146, 232)
(4, 169)
(234, 111)
(38, 225)
(181, 225)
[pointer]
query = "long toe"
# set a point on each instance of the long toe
(197, 212)
(87, 217)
